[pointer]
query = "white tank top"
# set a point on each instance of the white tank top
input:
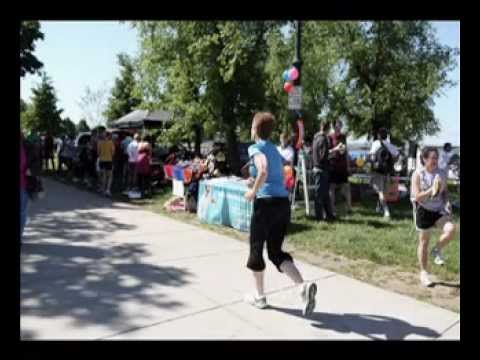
(438, 202)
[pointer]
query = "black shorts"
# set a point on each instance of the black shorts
(338, 177)
(427, 219)
(106, 165)
(269, 223)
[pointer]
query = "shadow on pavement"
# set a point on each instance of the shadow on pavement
(90, 284)
(74, 226)
(363, 324)
(99, 284)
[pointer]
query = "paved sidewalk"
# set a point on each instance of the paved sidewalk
(93, 269)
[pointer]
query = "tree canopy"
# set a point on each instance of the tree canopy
(43, 114)
(396, 68)
(93, 105)
(123, 98)
(82, 126)
(215, 74)
(68, 127)
(211, 74)
(29, 34)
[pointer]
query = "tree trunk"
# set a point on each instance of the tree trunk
(233, 157)
(198, 139)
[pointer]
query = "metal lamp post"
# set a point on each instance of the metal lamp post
(298, 59)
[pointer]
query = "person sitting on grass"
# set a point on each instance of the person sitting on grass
(433, 209)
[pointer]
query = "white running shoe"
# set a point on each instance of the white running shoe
(386, 215)
(437, 256)
(309, 291)
(258, 302)
(425, 279)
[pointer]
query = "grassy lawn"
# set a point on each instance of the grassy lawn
(365, 235)
(367, 247)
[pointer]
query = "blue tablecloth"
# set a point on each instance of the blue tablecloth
(221, 201)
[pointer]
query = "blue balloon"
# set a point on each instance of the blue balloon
(286, 75)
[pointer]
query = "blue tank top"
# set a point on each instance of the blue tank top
(274, 185)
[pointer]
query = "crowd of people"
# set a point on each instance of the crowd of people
(107, 161)
(123, 161)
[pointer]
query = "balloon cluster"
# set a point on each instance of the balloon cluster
(289, 76)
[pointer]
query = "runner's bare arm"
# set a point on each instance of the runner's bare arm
(262, 171)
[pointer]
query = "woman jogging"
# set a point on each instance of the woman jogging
(271, 215)
(433, 209)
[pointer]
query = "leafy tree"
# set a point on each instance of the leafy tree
(82, 126)
(23, 106)
(93, 106)
(280, 57)
(25, 116)
(123, 97)
(215, 74)
(68, 127)
(29, 33)
(321, 70)
(43, 115)
(396, 68)
(212, 74)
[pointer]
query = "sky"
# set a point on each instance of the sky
(77, 54)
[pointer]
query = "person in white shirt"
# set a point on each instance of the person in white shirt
(379, 180)
(124, 144)
(286, 150)
(60, 144)
(445, 157)
(132, 151)
(433, 210)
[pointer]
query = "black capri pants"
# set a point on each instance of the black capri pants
(270, 219)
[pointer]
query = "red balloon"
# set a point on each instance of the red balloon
(288, 87)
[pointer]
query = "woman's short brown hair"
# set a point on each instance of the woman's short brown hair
(263, 123)
(426, 153)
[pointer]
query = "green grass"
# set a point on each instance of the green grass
(361, 235)
(365, 235)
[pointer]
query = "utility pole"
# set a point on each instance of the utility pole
(298, 50)
(296, 96)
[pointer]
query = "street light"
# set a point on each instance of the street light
(297, 63)
(298, 59)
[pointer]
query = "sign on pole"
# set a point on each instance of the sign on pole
(295, 98)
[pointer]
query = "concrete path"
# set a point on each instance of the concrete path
(93, 269)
